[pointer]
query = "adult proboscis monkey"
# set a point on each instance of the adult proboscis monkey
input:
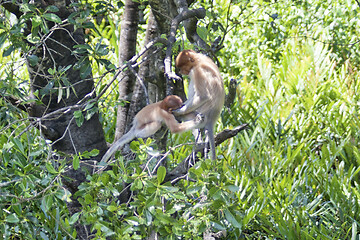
(206, 93)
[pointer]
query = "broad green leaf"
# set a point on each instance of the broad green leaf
(63, 194)
(12, 218)
(52, 8)
(74, 218)
(89, 105)
(230, 217)
(112, 208)
(79, 118)
(76, 162)
(136, 185)
(27, 8)
(94, 152)
(161, 173)
(51, 17)
(85, 70)
(3, 37)
(50, 168)
(36, 21)
(19, 146)
(8, 51)
(33, 60)
(202, 31)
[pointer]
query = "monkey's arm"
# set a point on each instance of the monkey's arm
(191, 105)
(176, 127)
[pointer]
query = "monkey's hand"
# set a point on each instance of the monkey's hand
(173, 76)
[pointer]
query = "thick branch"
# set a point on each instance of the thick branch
(190, 26)
(195, 13)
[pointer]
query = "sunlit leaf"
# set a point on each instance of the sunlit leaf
(161, 173)
(52, 17)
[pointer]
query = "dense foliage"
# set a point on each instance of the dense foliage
(294, 174)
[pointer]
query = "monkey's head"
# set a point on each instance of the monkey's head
(185, 61)
(171, 102)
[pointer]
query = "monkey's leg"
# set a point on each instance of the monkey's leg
(148, 129)
(210, 141)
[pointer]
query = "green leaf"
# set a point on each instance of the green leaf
(52, 8)
(354, 231)
(51, 71)
(89, 105)
(108, 65)
(203, 32)
(19, 146)
(50, 168)
(43, 236)
(90, 113)
(33, 60)
(77, 114)
(47, 88)
(8, 51)
(112, 208)
(230, 217)
(76, 162)
(60, 93)
(137, 185)
(3, 37)
(63, 194)
(74, 218)
(161, 173)
(85, 70)
(79, 118)
(44, 27)
(94, 152)
(83, 47)
(52, 17)
(12, 218)
(27, 8)
(36, 21)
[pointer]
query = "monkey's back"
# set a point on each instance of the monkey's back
(212, 86)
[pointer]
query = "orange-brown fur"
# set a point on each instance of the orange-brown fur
(206, 91)
(150, 119)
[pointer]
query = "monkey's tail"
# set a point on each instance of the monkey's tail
(127, 137)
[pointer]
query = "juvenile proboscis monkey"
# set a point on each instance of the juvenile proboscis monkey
(206, 93)
(149, 120)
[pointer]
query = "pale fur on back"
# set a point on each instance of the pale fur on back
(212, 88)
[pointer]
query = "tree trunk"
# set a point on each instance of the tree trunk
(127, 49)
(57, 112)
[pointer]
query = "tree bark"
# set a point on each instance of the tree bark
(147, 72)
(127, 49)
(55, 52)
(56, 114)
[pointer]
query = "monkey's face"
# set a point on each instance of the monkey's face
(172, 102)
(185, 61)
(185, 70)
